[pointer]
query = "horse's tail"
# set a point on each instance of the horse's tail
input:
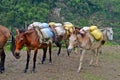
(103, 42)
(12, 44)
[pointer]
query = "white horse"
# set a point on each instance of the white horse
(107, 33)
(84, 42)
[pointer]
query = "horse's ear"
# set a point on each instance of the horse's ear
(77, 27)
(28, 31)
(17, 31)
(77, 31)
(74, 32)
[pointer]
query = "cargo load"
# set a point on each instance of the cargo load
(96, 33)
(69, 26)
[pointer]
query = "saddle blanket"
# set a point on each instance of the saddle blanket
(38, 24)
(68, 26)
(97, 34)
(60, 30)
(47, 33)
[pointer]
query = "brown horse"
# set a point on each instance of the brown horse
(83, 41)
(4, 36)
(31, 40)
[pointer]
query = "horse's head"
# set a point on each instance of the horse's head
(19, 41)
(73, 40)
(109, 33)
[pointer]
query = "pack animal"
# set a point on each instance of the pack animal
(62, 33)
(84, 42)
(31, 40)
(4, 36)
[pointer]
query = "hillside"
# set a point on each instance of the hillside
(20, 13)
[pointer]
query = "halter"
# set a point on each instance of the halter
(107, 35)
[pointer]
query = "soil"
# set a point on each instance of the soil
(64, 67)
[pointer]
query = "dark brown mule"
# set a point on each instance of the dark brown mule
(59, 38)
(4, 36)
(64, 38)
(30, 39)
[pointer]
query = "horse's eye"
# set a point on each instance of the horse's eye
(21, 39)
(75, 40)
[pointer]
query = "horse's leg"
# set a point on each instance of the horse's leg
(28, 59)
(97, 56)
(34, 59)
(60, 45)
(3, 60)
(2, 65)
(44, 55)
(66, 45)
(101, 50)
(92, 57)
(50, 48)
(75, 50)
(0, 61)
(81, 60)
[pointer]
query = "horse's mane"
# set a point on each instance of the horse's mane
(77, 31)
(77, 28)
(21, 30)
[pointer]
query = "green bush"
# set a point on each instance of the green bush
(8, 46)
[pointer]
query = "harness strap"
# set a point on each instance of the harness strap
(40, 35)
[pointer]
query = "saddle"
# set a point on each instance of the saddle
(59, 29)
(96, 33)
(44, 33)
(68, 27)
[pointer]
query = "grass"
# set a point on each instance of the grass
(7, 48)
(108, 43)
(112, 56)
(90, 76)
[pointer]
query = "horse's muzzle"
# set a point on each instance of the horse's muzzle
(69, 50)
(17, 55)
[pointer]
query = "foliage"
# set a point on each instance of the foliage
(7, 47)
(20, 13)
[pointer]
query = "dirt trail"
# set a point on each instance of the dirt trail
(64, 67)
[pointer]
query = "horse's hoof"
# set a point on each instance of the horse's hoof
(33, 71)
(1, 71)
(68, 54)
(50, 62)
(42, 62)
(58, 54)
(25, 71)
(78, 71)
(39, 62)
(97, 65)
(90, 65)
